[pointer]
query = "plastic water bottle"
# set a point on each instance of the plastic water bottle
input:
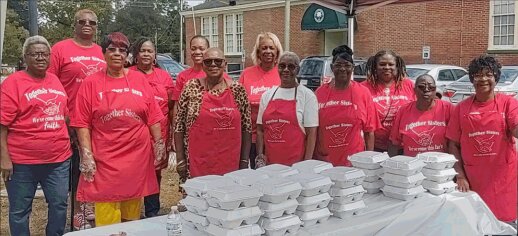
(174, 223)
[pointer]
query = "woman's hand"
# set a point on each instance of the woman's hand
(243, 164)
(6, 168)
(87, 166)
(181, 169)
(159, 149)
(462, 184)
(260, 160)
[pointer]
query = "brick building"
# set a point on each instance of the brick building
(454, 30)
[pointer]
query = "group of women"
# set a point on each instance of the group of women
(125, 120)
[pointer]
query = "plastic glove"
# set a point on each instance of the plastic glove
(171, 164)
(87, 166)
(159, 148)
(260, 160)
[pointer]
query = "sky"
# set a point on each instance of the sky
(194, 2)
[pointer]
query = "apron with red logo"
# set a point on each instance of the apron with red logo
(283, 138)
(215, 136)
(339, 130)
(123, 171)
(490, 170)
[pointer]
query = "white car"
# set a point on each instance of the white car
(443, 74)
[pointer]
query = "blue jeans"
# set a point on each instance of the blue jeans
(54, 180)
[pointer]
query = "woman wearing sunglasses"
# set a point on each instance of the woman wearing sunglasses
(482, 136)
(260, 77)
(420, 126)
(345, 111)
(213, 129)
(116, 116)
(287, 120)
(144, 60)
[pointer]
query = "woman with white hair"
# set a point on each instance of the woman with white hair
(287, 120)
(34, 140)
(260, 77)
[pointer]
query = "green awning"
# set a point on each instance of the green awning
(318, 17)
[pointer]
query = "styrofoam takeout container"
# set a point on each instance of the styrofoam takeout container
(234, 218)
(346, 210)
(403, 165)
(439, 188)
(368, 159)
(310, 218)
(199, 186)
(197, 220)
(246, 230)
(246, 176)
(277, 190)
(437, 160)
(440, 176)
(402, 181)
(373, 175)
(344, 177)
(314, 202)
(201, 229)
(403, 193)
(274, 210)
(196, 205)
(312, 166)
(312, 184)
(278, 170)
(281, 226)
(347, 195)
(373, 187)
(233, 196)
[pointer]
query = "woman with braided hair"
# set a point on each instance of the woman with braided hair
(390, 89)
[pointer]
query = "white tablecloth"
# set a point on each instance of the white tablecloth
(451, 214)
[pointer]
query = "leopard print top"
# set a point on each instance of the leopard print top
(189, 106)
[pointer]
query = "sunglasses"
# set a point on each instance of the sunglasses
(114, 49)
(90, 22)
(423, 87)
(343, 65)
(283, 66)
(217, 61)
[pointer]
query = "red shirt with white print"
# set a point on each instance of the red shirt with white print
(388, 101)
(421, 131)
(72, 63)
(34, 112)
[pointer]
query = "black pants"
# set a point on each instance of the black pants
(253, 154)
(152, 202)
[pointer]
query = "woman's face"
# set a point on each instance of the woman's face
(198, 48)
(484, 82)
(386, 68)
(425, 89)
(288, 69)
(146, 54)
(37, 57)
(115, 57)
(342, 69)
(267, 51)
(86, 25)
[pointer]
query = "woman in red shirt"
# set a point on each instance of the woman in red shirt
(144, 60)
(390, 90)
(34, 140)
(420, 126)
(116, 116)
(345, 111)
(260, 77)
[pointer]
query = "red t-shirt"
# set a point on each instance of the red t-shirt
(421, 131)
(34, 111)
(256, 81)
(388, 102)
(186, 75)
(72, 63)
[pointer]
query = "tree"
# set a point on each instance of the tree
(14, 38)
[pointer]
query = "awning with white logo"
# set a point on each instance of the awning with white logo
(318, 17)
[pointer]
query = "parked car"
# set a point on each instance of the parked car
(235, 74)
(169, 64)
(316, 70)
(463, 88)
(442, 74)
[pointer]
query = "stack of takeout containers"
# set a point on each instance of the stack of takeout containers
(279, 200)
(347, 191)
(369, 162)
(439, 172)
(403, 177)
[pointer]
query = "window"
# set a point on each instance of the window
(446, 75)
(234, 34)
(459, 73)
(502, 24)
(209, 29)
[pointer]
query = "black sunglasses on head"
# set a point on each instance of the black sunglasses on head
(217, 61)
(90, 22)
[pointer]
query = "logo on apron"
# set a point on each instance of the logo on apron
(277, 130)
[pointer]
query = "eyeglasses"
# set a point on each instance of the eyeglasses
(343, 65)
(423, 87)
(114, 49)
(283, 66)
(479, 77)
(217, 61)
(90, 22)
(35, 55)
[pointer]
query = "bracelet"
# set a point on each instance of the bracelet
(245, 161)
(180, 162)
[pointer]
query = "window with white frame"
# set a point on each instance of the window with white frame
(234, 34)
(209, 29)
(503, 24)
